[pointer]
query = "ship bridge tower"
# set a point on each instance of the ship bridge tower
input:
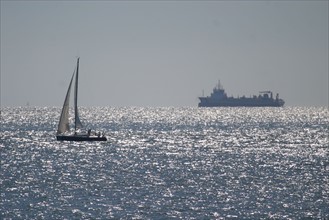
(219, 86)
(218, 92)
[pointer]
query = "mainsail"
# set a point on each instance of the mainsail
(63, 125)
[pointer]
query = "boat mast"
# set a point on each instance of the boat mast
(76, 97)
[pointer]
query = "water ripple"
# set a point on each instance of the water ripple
(190, 163)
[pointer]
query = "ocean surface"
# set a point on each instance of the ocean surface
(167, 163)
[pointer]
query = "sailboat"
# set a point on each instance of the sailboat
(63, 131)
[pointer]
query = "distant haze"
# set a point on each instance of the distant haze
(163, 53)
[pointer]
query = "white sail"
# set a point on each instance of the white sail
(63, 125)
(77, 122)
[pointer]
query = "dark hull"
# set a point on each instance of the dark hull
(204, 102)
(80, 138)
(227, 105)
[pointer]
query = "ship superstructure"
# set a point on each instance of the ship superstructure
(219, 98)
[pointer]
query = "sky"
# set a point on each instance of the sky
(163, 53)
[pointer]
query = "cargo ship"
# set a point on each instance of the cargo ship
(218, 98)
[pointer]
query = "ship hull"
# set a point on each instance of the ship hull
(204, 102)
(237, 105)
(80, 138)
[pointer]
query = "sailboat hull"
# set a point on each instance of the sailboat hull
(80, 138)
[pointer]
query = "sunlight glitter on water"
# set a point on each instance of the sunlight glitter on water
(186, 163)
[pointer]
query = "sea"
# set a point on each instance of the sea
(167, 163)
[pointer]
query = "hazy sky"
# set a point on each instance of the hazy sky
(163, 53)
